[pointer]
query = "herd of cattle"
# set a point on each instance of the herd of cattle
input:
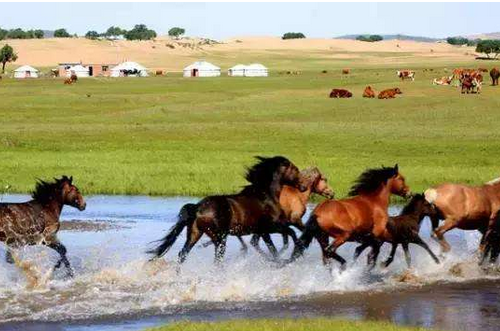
(470, 81)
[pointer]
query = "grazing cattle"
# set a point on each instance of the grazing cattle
(494, 74)
(390, 93)
(443, 80)
(471, 83)
(159, 72)
(345, 71)
(68, 81)
(74, 78)
(340, 93)
(368, 92)
(406, 74)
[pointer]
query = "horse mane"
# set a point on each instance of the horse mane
(310, 175)
(45, 192)
(410, 208)
(370, 180)
(261, 174)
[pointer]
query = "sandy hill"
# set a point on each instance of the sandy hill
(173, 55)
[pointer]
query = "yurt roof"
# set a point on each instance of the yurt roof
(26, 68)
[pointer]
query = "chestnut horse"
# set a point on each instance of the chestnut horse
(362, 216)
(464, 207)
(255, 209)
(293, 203)
(36, 222)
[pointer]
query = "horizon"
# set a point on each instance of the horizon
(223, 20)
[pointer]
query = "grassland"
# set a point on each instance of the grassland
(319, 324)
(176, 136)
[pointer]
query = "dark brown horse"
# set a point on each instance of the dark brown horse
(36, 222)
(293, 203)
(255, 209)
(362, 216)
(404, 229)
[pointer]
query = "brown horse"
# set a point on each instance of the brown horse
(36, 222)
(293, 203)
(404, 230)
(464, 207)
(255, 209)
(362, 216)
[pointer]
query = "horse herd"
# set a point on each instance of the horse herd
(274, 200)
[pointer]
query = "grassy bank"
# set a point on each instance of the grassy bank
(176, 136)
(317, 324)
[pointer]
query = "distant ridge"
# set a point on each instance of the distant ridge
(395, 36)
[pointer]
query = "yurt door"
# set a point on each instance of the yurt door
(195, 73)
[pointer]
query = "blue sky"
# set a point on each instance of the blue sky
(222, 20)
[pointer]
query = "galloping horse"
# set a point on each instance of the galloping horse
(362, 216)
(293, 203)
(404, 229)
(255, 209)
(36, 222)
(465, 207)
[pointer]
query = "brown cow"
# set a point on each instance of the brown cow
(159, 73)
(389, 93)
(74, 78)
(469, 82)
(406, 74)
(68, 81)
(369, 92)
(345, 71)
(340, 93)
(494, 74)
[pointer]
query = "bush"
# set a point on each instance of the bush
(61, 33)
(140, 32)
(457, 40)
(176, 32)
(293, 35)
(489, 47)
(370, 38)
(93, 35)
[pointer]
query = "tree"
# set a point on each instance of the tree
(370, 38)
(140, 32)
(176, 32)
(7, 55)
(38, 34)
(457, 40)
(92, 35)
(376, 37)
(61, 33)
(293, 35)
(3, 34)
(114, 32)
(489, 47)
(17, 34)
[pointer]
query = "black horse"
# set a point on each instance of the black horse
(36, 222)
(256, 209)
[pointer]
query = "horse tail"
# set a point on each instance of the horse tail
(187, 215)
(310, 232)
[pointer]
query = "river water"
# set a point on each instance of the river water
(115, 288)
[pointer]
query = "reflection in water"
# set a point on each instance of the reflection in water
(115, 289)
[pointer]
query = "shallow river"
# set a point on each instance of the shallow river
(116, 289)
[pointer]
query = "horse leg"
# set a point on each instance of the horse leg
(407, 254)
(418, 241)
(448, 225)
(285, 243)
(61, 249)
(244, 247)
(193, 234)
(8, 257)
(373, 256)
(332, 250)
(270, 245)
(323, 239)
(360, 249)
(391, 255)
(255, 244)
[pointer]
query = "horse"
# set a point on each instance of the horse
(255, 209)
(36, 222)
(362, 216)
(464, 207)
(293, 203)
(404, 230)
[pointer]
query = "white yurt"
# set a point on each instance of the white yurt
(201, 69)
(25, 72)
(256, 70)
(78, 70)
(237, 70)
(129, 69)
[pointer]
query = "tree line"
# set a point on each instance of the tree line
(139, 32)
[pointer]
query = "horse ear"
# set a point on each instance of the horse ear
(396, 168)
(71, 179)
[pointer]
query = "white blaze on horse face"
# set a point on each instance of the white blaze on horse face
(431, 195)
(494, 181)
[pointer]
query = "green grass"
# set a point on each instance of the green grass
(316, 324)
(176, 136)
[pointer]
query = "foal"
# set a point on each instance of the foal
(36, 222)
(404, 230)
